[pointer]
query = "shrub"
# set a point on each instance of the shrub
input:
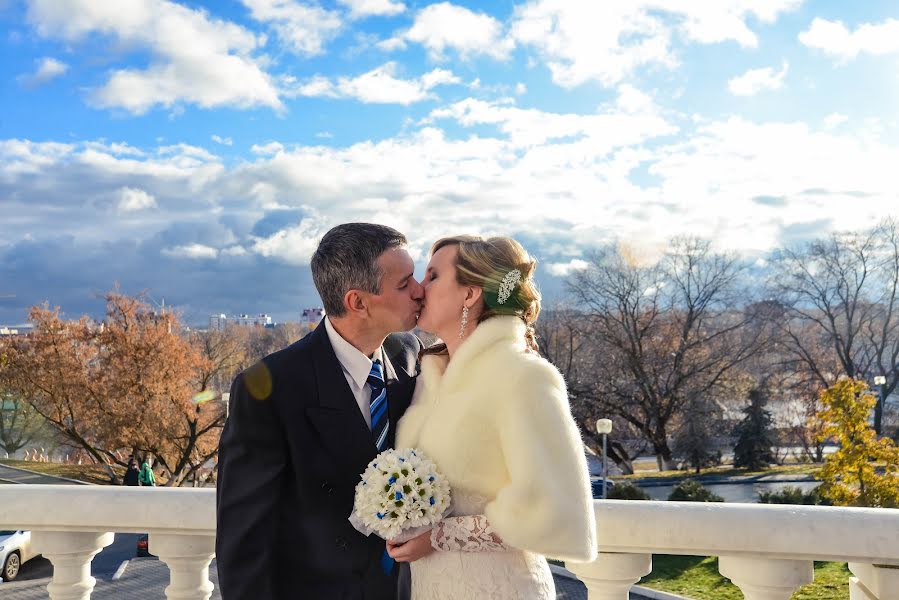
(792, 495)
(690, 490)
(626, 490)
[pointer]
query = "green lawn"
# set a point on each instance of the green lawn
(726, 471)
(698, 578)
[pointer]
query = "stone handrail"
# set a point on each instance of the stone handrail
(766, 550)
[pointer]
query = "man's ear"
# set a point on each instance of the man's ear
(355, 302)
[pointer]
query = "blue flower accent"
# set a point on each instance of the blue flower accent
(433, 502)
(402, 459)
(431, 478)
(392, 480)
(399, 495)
(380, 516)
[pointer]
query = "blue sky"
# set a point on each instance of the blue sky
(199, 150)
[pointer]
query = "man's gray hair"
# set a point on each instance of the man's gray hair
(347, 259)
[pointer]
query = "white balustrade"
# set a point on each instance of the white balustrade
(71, 555)
(70, 524)
(766, 550)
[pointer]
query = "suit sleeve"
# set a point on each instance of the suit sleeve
(546, 506)
(252, 458)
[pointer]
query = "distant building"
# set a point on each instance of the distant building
(221, 321)
(311, 317)
(10, 330)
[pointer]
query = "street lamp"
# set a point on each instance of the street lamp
(604, 427)
(878, 408)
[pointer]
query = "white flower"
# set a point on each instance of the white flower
(400, 490)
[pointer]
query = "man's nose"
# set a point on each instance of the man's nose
(419, 291)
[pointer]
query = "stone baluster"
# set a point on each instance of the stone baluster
(766, 578)
(873, 582)
(71, 554)
(611, 575)
(188, 558)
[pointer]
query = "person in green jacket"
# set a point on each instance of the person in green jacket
(146, 476)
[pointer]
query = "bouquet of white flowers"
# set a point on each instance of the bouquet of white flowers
(401, 494)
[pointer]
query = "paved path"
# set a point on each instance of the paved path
(16, 475)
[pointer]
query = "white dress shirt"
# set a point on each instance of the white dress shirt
(356, 367)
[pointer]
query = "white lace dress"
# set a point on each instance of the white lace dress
(472, 563)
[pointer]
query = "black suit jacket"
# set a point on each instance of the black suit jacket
(291, 453)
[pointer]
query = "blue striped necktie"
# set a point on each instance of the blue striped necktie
(380, 424)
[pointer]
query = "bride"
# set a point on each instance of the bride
(494, 417)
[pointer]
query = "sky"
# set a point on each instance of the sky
(197, 151)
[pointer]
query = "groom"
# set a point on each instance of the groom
(304, 423)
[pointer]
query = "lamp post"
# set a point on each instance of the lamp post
(878, 408)
(604, 427)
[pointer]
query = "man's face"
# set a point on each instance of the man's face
(396, 308)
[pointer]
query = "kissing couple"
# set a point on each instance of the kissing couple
(483, 404)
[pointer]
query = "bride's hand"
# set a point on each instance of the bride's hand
(417, 547)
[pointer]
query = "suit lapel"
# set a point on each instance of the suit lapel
(337, 417)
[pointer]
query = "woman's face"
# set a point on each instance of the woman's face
(441, 312)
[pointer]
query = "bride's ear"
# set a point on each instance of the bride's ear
(473, 296)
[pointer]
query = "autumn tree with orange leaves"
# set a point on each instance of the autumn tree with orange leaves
(129, 384)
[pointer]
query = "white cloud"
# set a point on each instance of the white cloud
(359, 9)
(754, 81)
(613, 127)
(267, 149)
(608, 41)
(564, 269)
(520, 88)
(834, 120)
(47, 70)
(195, 59)
(585, 179)
(833, 38)
(378, 86)
(444, 26)
(133, 199)
(192, 251)
(227, 141)
(304, 28)
(295, 244)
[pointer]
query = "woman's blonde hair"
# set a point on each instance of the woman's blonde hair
(485, 263)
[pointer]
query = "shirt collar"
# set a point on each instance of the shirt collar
(351, 359)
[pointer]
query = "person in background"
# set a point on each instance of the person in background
(146, 476)
(132, 474)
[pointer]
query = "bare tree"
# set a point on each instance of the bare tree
(665, 331)
(566, 341)
(842, 317)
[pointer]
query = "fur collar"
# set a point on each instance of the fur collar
(502, 333)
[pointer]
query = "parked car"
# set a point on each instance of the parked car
(596, 486)
(143, 545)
(15, 551)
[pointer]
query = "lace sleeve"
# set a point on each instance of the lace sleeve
(470, 533)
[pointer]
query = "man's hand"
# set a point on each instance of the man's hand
(417, 547)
